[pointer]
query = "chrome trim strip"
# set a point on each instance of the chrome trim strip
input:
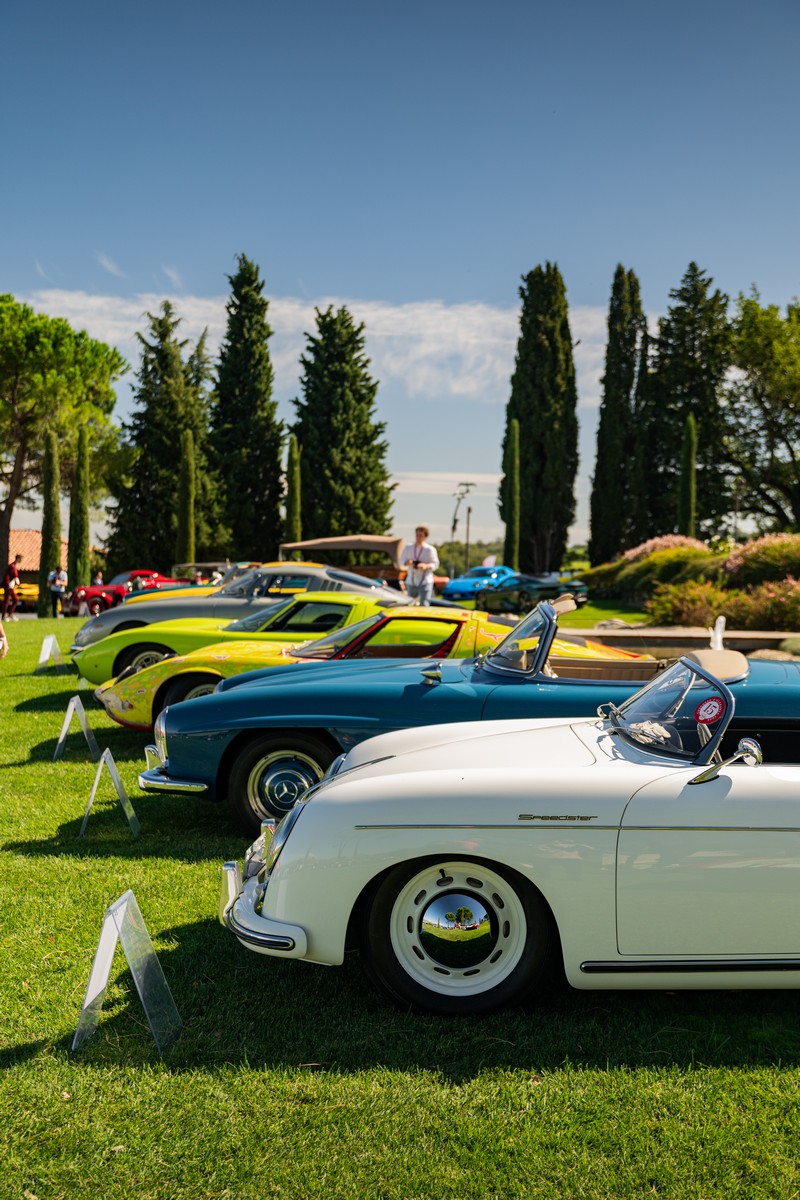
(157, 781)
(564, 825)
(690, 967)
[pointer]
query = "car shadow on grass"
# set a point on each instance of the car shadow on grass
(172, 827)
(126, 745)
(245, 1009)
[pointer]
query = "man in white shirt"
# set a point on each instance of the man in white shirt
(420, 560)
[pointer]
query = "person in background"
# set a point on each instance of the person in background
(98, 580)
(58, 588)
(420, 560)
(3, 642)
(10, 583)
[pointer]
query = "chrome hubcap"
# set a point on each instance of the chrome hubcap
(279, 779)
(147, 658)
(458, 928)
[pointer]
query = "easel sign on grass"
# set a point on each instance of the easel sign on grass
(50, 655)
(75, 708)
(123, 922)
(107, 761)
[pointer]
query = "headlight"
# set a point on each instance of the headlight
(85, 634)
(80, 593)
(160, 736)
(273, 847)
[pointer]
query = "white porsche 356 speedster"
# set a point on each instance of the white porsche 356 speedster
(466, 861)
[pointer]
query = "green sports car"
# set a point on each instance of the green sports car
(295, 619)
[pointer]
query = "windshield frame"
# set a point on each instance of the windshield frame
(616, 716)
(544, 612)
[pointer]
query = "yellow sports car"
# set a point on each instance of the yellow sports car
(135, 699)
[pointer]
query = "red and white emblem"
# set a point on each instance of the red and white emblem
(710, 710)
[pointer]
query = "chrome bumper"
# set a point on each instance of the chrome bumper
(265, 935)
(156, 779)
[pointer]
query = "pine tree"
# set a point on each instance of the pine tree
(544, 401)
(79, 564)
(185, 541)
(687, 492)
(294, 523)
(511, 471)
(170, 398)
(693, 352)
(344, 486)
(247, 435)
(617, 431)
(51, 520)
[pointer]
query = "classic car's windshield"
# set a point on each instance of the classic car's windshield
(244, 585)
(351, 580)
(329, 646)
(257, 620)
(518, 651)
(678, 713)
(119, 579)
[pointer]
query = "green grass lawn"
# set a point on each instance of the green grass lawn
(291, 1080)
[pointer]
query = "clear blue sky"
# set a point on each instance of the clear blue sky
(411, 161)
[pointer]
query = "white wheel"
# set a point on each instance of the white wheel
(455, 937)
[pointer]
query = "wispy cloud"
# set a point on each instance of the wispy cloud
(109, 265)
(173, 276)
(40, 271)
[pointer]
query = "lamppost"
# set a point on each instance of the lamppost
(461, 491)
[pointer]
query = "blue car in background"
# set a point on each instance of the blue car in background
(263, 738)
(477, 579)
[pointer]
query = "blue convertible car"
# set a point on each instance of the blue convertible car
(477, 579)
(263, 738)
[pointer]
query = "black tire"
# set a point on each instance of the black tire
(143, 654)
(524, 601)
(416, 962)
(270, 773)
(95, 607)
(188, 687)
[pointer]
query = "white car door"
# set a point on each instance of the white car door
(712, 868)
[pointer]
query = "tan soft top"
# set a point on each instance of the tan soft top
(727, 665)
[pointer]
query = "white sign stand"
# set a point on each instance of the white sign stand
(123, 922)
(107, 761)
(50, 655)
(75, 708)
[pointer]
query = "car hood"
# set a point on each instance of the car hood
(377, 670)
(472, 748)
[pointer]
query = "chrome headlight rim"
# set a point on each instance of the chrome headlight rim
(160, 735)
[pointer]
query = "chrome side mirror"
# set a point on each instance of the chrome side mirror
(748, 751)
(433, 675)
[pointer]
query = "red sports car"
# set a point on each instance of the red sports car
(101, 596)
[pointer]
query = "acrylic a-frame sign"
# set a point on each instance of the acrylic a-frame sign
(50, 655)
(107, 761)
(123, 922)
(75, 709)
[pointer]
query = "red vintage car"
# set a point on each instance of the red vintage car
(100, 596)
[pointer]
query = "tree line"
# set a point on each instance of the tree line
(699, 422)
(699, 427)
(197, 471)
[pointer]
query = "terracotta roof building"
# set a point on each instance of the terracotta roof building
(28, 543)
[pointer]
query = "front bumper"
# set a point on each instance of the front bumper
(157, 778)
(237, 914)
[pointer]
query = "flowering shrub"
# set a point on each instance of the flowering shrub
(668, 541)
(768, 606)
(634, 580)
(694, 603)
(773, 556)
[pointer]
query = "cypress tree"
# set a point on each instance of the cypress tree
(617, 431)
(51, 520)
(247, 436)
(184, 544)
(294, 524)
(511, 471)
(344, 487)
(544, 401)
(693, 352)
(170, 398)
(687, 493)
(79, 564)
(643, 425)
